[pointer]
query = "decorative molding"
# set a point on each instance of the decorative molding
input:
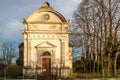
(46, 22)
(47, 32)
(45, 36)
(45, 44)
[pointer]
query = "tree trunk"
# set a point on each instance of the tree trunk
(115, 64)
(94, 62)
(98, 62)
(109, 65)
(102, 67)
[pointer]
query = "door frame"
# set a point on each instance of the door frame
(47, 69)
(40, 52)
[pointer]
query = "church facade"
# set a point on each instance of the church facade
(46, 42)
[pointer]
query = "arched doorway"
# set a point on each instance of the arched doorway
(46, 63)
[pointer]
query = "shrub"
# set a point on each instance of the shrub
(13, 71)
(2, 67)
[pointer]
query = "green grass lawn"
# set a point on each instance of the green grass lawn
(1, 78)
(92, 75)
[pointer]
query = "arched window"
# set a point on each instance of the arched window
(46, 53)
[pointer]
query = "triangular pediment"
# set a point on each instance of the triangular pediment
(45, 45)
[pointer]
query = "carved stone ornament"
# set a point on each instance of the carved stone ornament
(45, 5)
(46, 16)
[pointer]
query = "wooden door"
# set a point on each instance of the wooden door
(46, 66)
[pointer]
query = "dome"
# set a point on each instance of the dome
(46, 14)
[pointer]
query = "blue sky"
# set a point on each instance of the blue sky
(13, 11)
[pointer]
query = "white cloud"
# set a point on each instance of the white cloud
(11, 31)
(75, 0)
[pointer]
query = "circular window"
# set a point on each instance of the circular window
(46, 16)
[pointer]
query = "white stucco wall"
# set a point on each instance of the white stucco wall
(42, 35)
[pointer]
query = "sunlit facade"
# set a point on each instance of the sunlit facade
(46, 43)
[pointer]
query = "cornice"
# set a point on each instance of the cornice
(45, 22)
(47, 32)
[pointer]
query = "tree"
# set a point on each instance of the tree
(97, 22)
(8, 52)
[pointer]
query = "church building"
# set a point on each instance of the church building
(46, 42)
